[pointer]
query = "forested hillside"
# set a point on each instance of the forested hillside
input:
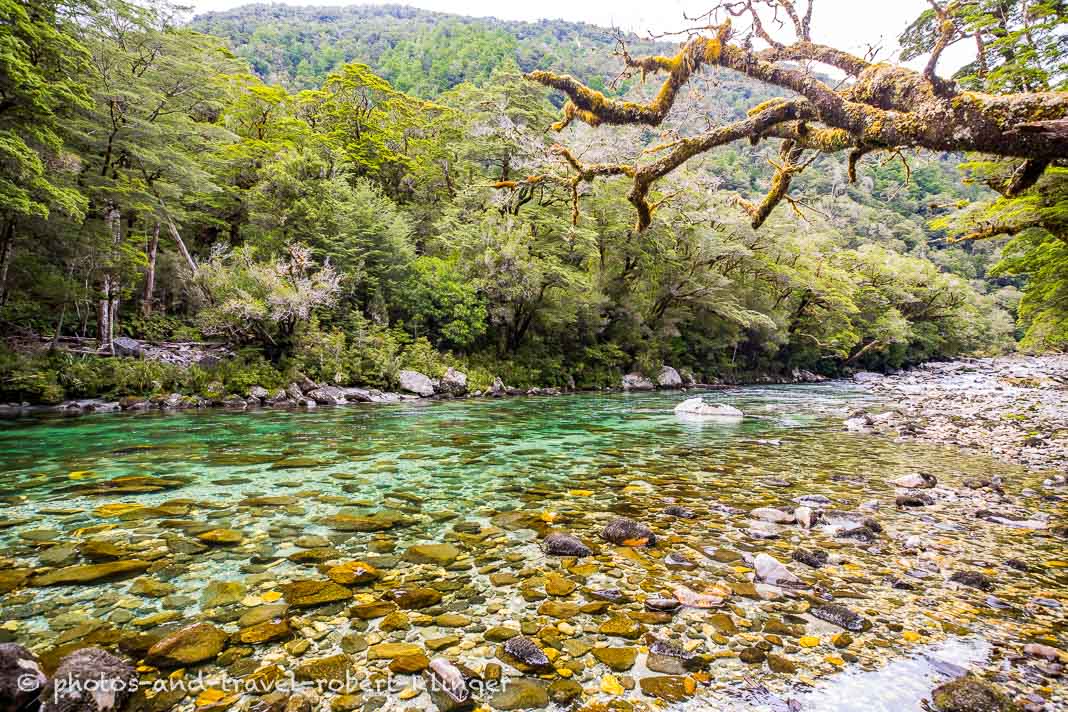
(346, 193)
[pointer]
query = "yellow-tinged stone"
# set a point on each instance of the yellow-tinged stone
(911, 636)
(580, 493)
(408, 693)
(116, 509)
(144, 668)
(271, 596)
(549, 517)
(808, 641)
(611, 686)
(564, 672)
(741, 569)
(631, 489)
(552, 654)
(250, 601)
(1056, 564)
(835, 660)
(10, 625)
(209, 697)
(80, 474)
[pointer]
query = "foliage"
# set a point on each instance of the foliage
(264, 302)
(346, 229)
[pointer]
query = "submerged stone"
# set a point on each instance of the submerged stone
(524, 654)
(841, 617)
(627, 532)
(187, 646)
(313, 592)
(560, 544)
(970, 694)
(90, 573)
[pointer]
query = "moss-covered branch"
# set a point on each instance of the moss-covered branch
(885, 107)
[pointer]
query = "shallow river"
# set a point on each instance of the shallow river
(492, 477)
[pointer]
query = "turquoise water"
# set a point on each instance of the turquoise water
(510, 470)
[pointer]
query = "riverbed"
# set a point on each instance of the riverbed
(211, 516)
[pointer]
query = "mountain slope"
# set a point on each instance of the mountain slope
(420, 52)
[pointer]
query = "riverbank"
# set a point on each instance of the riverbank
(1014, 408)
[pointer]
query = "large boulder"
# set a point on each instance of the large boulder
(125, 346)
(454, 382)
(415, 382)
(698, 408)
(90, 680)
(669, 378)
(328, 395)
(637, 382)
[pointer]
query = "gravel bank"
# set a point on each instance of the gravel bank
(1014, 408)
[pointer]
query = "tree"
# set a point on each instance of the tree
(43, 78)
(264, 302)
(883, 106)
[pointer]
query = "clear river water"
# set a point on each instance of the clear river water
(301, 491)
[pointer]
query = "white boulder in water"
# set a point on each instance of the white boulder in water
(698, 408)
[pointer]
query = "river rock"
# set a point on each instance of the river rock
(698, 408)
(21, 677)
(221, 593)
(85, 673)
(815, 558)
(454, 382)
(636, 382)
(662, 605)
(415, 382)
(680, 512)
(672, 688)
(449, 685)
(328, 395)
(670, 659)
(332, 668)
(414, 598)
(524, 654)
(313, 592)
(353, 573)
(521, 694)
(668, 378)
(841, 617)
(560, 544)
(439, 554)
(914, 500)
(806, 517)
(627, 532)
(973, 579)
(90, 573)
(770, 570)
(221, 537)
(621, 626)
(770, 514)
(915, 480)
(187, 646)
(617, 659)
(970, 694)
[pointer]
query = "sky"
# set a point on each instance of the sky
(851, 25)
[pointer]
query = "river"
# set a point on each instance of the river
(296, 493)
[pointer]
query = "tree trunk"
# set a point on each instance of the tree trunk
(150, 273)
(107, 311)
(7, 247)
(173, 229)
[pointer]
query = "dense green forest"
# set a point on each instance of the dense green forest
(321, 189)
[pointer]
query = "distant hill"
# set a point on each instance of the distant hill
(420, 52)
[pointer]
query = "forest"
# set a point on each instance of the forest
(347, 193)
